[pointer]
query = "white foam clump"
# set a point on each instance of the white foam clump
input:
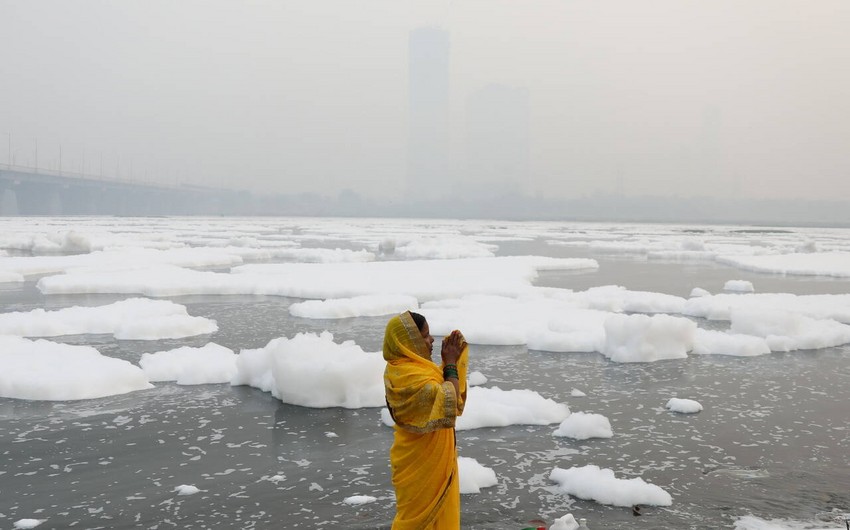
(740, 286)
(817, 306)
(358, 306)
(493, 407)
(476, 379)
(542, 318)
(474, 476)
(324, 255)
(577, 393)
(356, 500)
(185, 489)
(435, 279)
(617, 299)
(582, 426)
(683, 406)
(131, 319)
(208, 364)
(443, 247)
(698, 292)
(312, 370)
(835, 264)
(28, 523)
(575, 330)
(750, 522)
(155, 280)
(128, 260)
(66, 241)
(559, 320)
(641, 338)
(784, 330)
(598, 484)
(566, 522)
(50, 371)
(10, 276)
(737, 344)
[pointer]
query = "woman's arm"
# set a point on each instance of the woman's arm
(450, 352)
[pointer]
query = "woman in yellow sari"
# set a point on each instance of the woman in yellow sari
(424, 400)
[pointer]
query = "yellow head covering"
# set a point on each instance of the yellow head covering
(417, 396)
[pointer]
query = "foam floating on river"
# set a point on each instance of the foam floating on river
(739, 286)
(211, 363)
(312, 370)
(358, 306)
(125, 259)
(583, 426)
(10, 276)
(436, 279)
(474, 476)
(186, 489)
(357, 500)
(28, 523)
(640, 338)
(600, 485)
(42, 370)
(131, 319)
(494, 407)
(835, 264)
(683, 406)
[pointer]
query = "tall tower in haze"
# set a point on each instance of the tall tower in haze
(428, 143)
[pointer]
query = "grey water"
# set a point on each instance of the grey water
(773, 440)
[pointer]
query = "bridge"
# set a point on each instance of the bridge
(30, 191)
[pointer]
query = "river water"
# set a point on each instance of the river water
(773, 440)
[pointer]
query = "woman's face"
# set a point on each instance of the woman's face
(429, 340)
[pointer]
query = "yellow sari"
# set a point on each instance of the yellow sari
(424, 406)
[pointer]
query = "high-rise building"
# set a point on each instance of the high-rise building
(428, 148)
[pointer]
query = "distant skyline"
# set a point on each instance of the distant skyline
(660, 98)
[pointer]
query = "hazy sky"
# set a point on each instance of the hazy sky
(738, 98)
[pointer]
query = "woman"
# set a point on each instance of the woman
(424, 400)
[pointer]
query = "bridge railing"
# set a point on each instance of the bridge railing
(87, 176)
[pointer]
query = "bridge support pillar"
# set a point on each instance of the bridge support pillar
(8, 202)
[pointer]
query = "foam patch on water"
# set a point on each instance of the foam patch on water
(751, 522)
(129, 259)
(314, 371)
(49, 371)
(131, 319)
(719, 343)
(640, 338)
(434, 279)
(600, 485)
(835, 264)
(582, 426)
(683, 406)
(474, 476)
(357, 500)
(210, 363)
(358, 306)
(740, 286)
(494, 407)
(10, 276)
